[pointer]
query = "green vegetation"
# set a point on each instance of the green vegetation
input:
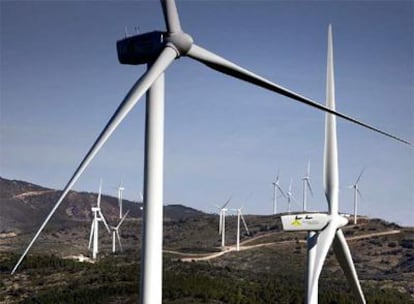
(48, 279)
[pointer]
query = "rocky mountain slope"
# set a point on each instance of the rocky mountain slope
(269, 268)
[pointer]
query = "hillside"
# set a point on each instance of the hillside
(268, 269)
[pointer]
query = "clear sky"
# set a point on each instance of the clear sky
(61, 82)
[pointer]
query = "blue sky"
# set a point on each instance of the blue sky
(61, 82)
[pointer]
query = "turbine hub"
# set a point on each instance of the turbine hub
(341, 220)
(181, 42)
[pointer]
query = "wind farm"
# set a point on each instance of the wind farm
(157, 51)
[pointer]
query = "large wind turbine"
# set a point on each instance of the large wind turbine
(158, 49)
(357, 193)
(115, 233)
(276, 188)
(327, 226)
(306, 187)
(97, 217)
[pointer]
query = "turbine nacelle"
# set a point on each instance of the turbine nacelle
(311, 221)
(141, 49)
(145, 48)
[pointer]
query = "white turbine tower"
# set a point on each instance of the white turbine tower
(115, 233)
(306, 187)
(120, 191)
(240, 216)
(276, 188)
(158, 50)
(97, 217)
(327, 226)
(357, 193)
(222, 222)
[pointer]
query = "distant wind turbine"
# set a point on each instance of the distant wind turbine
(306, 187)
(327, 226)
(222, 222)
(240, 216)
(115, 233)
(97, 217)
(357, 193)
(276, 188)
(120, 190)
(290, 197)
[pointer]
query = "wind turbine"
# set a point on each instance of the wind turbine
(327, 226)
(357, 193)
(222, 221)
(120, 190)
(306, 187)
(158, 49)
(97, 217)
(240, 216)
(290, 196)
(115, 233)
(276, 188)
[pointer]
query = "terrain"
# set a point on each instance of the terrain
(269, 268)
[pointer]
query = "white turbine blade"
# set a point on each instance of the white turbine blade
(172, 21)
(324, 242)
(104, 221)
(222, 65)
(308, 171)
(330, 176)
(99, 194)
(119, 239)
(166, 57)
(309, 186)
(91, 234)
(359, 193)
(344, 257)
(122, 220)
(244, 223)
(281, 191)
(290, 187)
(359, 177)
(227, 202)
(220, 221)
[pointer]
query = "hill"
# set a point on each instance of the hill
(268, 269)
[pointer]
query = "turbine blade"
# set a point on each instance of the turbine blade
(166, 57)
(244, 223)
(309, 186)
(359, 193)
(359, 177)
(99, 194)
(220, 221)
(281, 191)
(91, 234)
(344, 257)
(172, 21)
(330, 174)
(308, 171)
(227, 202)
(222, 65)
(122, 220)
(324, 241)
(119, 240)
(104, 221)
